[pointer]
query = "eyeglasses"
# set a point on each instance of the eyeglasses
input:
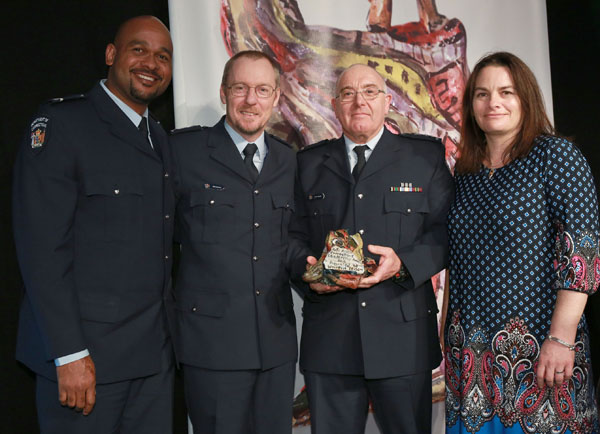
(368, 93)
(242, 89)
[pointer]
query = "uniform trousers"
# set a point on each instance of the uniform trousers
(137, 406)
(340, 403)
(240, 402)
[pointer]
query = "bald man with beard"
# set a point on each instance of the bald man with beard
(92, 205)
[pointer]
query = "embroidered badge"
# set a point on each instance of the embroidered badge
(407, 187)
(316, 196)
(38, 132)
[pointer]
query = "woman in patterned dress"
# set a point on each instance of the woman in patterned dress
(523, 235)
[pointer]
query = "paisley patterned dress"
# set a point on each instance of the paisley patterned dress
(517, 235)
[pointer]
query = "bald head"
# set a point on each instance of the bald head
(362, 117)
(362, 70)
(145, 21)
(139, 61)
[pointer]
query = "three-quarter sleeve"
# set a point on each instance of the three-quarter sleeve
(573, 207)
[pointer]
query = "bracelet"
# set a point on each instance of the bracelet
(571, 347)
(401, 275)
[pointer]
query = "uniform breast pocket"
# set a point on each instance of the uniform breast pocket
(404, 216)
(283, 207)
(112, 208)
(214, 216)
(321, 219)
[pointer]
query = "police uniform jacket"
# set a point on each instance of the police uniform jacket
(400, 200)
(92, 207)
(233, 303)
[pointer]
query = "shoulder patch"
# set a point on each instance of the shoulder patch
(67, 98)
(39, 133)
(187, 129)
(317, 145)
(277, 139)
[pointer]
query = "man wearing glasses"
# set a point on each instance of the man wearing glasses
(377, 343)
(235, 325)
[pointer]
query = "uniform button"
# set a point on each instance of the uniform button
(257, 292)
(409, 211)
(364, 304)
(361, 231)
(167, 216)
(360, 195)
(194, 309)
(212, 202)
(255, 258)
(166, 257)
(256, 225)
(287, 205)
(316, 213)
(256, 191)
(117, 191)
(166, 174)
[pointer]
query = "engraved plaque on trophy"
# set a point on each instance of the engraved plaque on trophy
(342, 262)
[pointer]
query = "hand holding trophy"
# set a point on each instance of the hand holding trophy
(342, 262)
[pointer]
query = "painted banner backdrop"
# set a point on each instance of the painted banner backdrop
(422, 48)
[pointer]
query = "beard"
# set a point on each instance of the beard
(144, 97)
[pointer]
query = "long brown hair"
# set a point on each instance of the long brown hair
(534, 120)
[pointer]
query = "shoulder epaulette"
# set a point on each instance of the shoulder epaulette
(187, 129)
(66, 98)
(277, 139)
(316, 145)
(422, 137)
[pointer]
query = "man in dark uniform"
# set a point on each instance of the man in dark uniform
(236, 331)
(92, 205)
(378, 342)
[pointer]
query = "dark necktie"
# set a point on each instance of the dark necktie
(361, 161)
(143, 128)
(249, 152)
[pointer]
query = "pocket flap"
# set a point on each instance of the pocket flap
(99, 307)
(112, 185)
(418, 302)
(282, 201)
(406, 202)
(209, 197)
(203, 303)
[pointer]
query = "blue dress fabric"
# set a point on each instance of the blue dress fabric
(517, 236)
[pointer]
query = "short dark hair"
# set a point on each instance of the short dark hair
(254, 55)
(534, 120)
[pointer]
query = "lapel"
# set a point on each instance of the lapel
(273, 163)
(159, 141)
(382, 156)
(118, 123)
(225, 152)
(336, 160)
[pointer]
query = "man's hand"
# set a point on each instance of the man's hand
(389, 264)
(320, 288)
(77, 384)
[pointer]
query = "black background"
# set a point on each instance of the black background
(56, 48)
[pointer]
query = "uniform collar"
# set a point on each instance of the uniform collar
(371, 143)
(129, 112)
(240, 142)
